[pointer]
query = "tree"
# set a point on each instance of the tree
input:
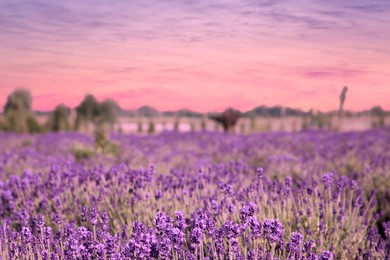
(18, 115)
(87, 111)
(20, 100)
(109, 110)
(378, 116)
(342, 99)
(59, 118)
(148, 111)
(227, 118)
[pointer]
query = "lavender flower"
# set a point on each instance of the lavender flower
(273, 230)
(247, 212)
(83, 213)
(94, 215)
(293, 246)
(196, 237)
(326, 255)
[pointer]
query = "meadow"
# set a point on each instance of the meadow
(196, 195)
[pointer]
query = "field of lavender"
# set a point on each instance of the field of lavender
(307, 195)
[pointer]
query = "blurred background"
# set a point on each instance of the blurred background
(18, 116)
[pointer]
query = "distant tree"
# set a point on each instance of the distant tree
(87, 111)
(148, 111)
(91, 111)
(20, 100)
(378, 116)
(59, 118)
(343, 96)
(108, 111)
(3, 124)
(18, 115)
(377, 111)
(15, 121)
(33, 125)
(227, 118)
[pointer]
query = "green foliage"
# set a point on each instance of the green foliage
(16, 122)
(33, 125)
(108, 111)
(88, 109)
(378, 116)
(59, 119)
(102, 146)
(103, 143)
(101, 136)
(3, 125)
(20, 100)
(91, 111)
(377, 111)
(17, 113)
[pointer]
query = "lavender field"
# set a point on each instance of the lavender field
(307, 195)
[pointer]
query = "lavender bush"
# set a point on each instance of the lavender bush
(309, 195)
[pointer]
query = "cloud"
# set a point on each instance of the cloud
(333, 73)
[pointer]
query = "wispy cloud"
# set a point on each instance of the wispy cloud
(333, 73)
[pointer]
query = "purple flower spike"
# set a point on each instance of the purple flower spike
(326, 255)
(94, 215)
(273, 230)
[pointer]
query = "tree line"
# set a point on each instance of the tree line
(90, 113)
(19, 117)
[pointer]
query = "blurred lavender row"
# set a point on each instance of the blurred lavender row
(308, 195)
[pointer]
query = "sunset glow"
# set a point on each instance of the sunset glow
(203, 55)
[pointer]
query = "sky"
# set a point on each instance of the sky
(204, 55)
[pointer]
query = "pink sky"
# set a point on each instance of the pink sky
(203, 55)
